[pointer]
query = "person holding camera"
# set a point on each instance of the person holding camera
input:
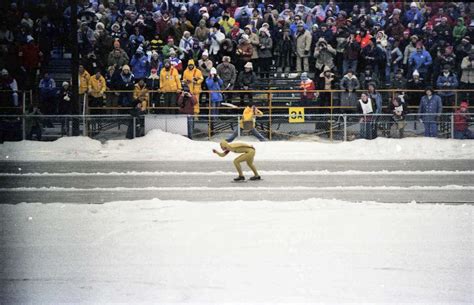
(193, 78)
(170, 85)
(215, 83)
(187, 102)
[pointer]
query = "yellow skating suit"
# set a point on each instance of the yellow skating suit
(247, 155)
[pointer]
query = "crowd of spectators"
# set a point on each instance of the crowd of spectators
(228, 44)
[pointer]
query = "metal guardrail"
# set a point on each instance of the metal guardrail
(335, 127)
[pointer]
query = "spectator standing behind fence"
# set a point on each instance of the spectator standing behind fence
(97, 88)
(31, 58)
(227, 72)
(126, 84)
(306, 84)
(429, 112)
(324, 54)
(187, 102)
(65, 99)
(215, 83)
(47, 91)
(246, 81)
(462, 119)
(141, 93)
(366, 107)
(349, 84)
(8, 83)
(117, 57)
(170, 85)
(193, 78)
(84, 78)
(153, 84)
(397, 107)
(247, 123)
(447, 80)
(136, 113)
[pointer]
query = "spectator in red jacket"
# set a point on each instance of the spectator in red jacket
(462, 119)
(30, 55)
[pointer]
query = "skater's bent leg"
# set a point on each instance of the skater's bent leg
(237, 162)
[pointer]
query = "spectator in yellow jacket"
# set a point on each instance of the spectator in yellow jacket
(140, 94)
(193, 78)
(97, 87)
(84, 77)
(170, 85)
(247, 122)
(247, 154)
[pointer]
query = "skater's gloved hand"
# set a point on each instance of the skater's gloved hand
(214, 151)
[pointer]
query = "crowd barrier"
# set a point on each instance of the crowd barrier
(297, 126)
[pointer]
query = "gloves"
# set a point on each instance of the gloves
(306, 53)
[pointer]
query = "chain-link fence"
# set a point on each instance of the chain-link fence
(297, 125)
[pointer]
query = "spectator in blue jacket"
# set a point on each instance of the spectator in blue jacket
(214, 83)
(447, 80)
(429, 112)
(420, 60)
(140, 64)
(47, 94)
(413, 15)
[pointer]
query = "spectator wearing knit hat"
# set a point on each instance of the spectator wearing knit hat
(420, 60)
(447, 80)
(193, 78)
(170, 85)
(429, 111)
(126, 83)
(462, 119)
(215, 83)
(265, 52)
(246, 80)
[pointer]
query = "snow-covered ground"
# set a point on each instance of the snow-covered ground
(234, 251)
(312, 252)
(158, 145)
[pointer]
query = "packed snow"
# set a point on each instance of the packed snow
(313, 252)
(158, 146)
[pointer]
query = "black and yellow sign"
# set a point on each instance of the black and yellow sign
(296, 115)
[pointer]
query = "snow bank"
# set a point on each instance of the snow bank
(158, 146)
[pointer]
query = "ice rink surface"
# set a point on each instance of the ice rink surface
(358, 232)
(423, 181)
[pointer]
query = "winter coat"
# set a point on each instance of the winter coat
(254, 42)
(420, 61)
(409, 49)
(447, 82)
(467, 67)
(187, 104)
(303, 43)
(461, 120)
(324, 56)
(193, 78)
(352, 51)
(30, 57)
(459, 30)
(169, 80)
(141, 94)
(97, 87)
(430, 108)
(215, 40)
(246, 79)
(228, 74)
(245, 51)
(377, 98)
(119, 61)
(126, 81)
(84, 82)
(215, 84)
(361, 110)
(205, 66)
(140, 66)
(350, 83)
(265, 48)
